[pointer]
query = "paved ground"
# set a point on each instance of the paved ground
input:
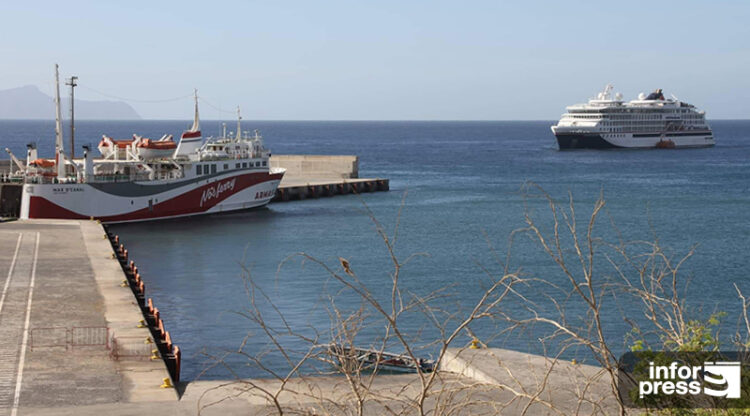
(64, 295)
(52, 311)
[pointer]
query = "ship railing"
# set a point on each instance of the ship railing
(119, 178)
(106, 178)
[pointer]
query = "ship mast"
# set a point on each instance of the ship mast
(239, 128)
(60, 161)
(196, 121)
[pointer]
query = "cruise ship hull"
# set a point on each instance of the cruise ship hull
(634, 141)
(115, 202)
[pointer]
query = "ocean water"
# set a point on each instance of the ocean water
(458, 187)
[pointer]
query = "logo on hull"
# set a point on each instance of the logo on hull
(216, 190)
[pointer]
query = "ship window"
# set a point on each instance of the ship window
(257, 164)
(236, 165)
(198, 169)
(213, 168)
(264, 163)
(244, 164)
(226, 166)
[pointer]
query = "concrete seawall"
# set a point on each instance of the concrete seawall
(317, 166)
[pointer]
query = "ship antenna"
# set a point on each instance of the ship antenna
(58, 127)
(239, 128)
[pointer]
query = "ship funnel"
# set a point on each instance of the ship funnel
(191, 140)
(31, 153)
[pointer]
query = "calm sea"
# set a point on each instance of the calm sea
(461, 183)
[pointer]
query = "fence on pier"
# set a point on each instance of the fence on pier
(69, 338)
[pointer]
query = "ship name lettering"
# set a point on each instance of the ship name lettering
(264, 194)
(216, 190)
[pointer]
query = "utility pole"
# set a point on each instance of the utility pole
(73, 85)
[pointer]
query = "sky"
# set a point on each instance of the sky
(380, 60)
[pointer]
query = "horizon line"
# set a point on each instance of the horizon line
(323, 120)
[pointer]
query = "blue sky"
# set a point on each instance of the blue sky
(392, 60)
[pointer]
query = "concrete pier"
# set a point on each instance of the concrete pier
(61, 307)
(316, 176)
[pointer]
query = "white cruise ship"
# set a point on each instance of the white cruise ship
(648, 122)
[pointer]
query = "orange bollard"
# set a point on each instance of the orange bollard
(168, 341)
(161, 329)
(138, 278)
(177, 362)
(141, 288)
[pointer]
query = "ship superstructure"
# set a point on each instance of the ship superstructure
(140, 179)
(651, 121)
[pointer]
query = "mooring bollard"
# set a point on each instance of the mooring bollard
(177, 363)
(166, 384)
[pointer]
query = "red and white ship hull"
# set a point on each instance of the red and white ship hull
(113, 202)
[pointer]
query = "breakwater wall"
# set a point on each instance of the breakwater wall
(297, 190)
(317, 166)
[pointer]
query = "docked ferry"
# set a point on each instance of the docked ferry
(139, 179)
(651, 121)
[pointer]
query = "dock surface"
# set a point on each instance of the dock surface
(61, 303)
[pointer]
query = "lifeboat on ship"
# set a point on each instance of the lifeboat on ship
(148, 149)
(44, 167)
(665, 144)
(108, 145)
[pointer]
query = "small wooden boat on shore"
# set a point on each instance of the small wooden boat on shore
(351, 358)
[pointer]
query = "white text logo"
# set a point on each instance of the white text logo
(683, 379)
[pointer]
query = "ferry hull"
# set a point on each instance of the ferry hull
(632, 141)
(133, 201)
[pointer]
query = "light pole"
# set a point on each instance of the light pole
(72, 83)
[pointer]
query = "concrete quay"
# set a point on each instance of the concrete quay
(61, 306)
(315, 176)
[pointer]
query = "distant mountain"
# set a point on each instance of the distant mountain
(30, 103)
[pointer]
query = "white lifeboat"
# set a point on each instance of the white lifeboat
(148, 149)
(108, 145)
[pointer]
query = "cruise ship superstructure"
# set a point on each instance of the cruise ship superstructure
(651, 121)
